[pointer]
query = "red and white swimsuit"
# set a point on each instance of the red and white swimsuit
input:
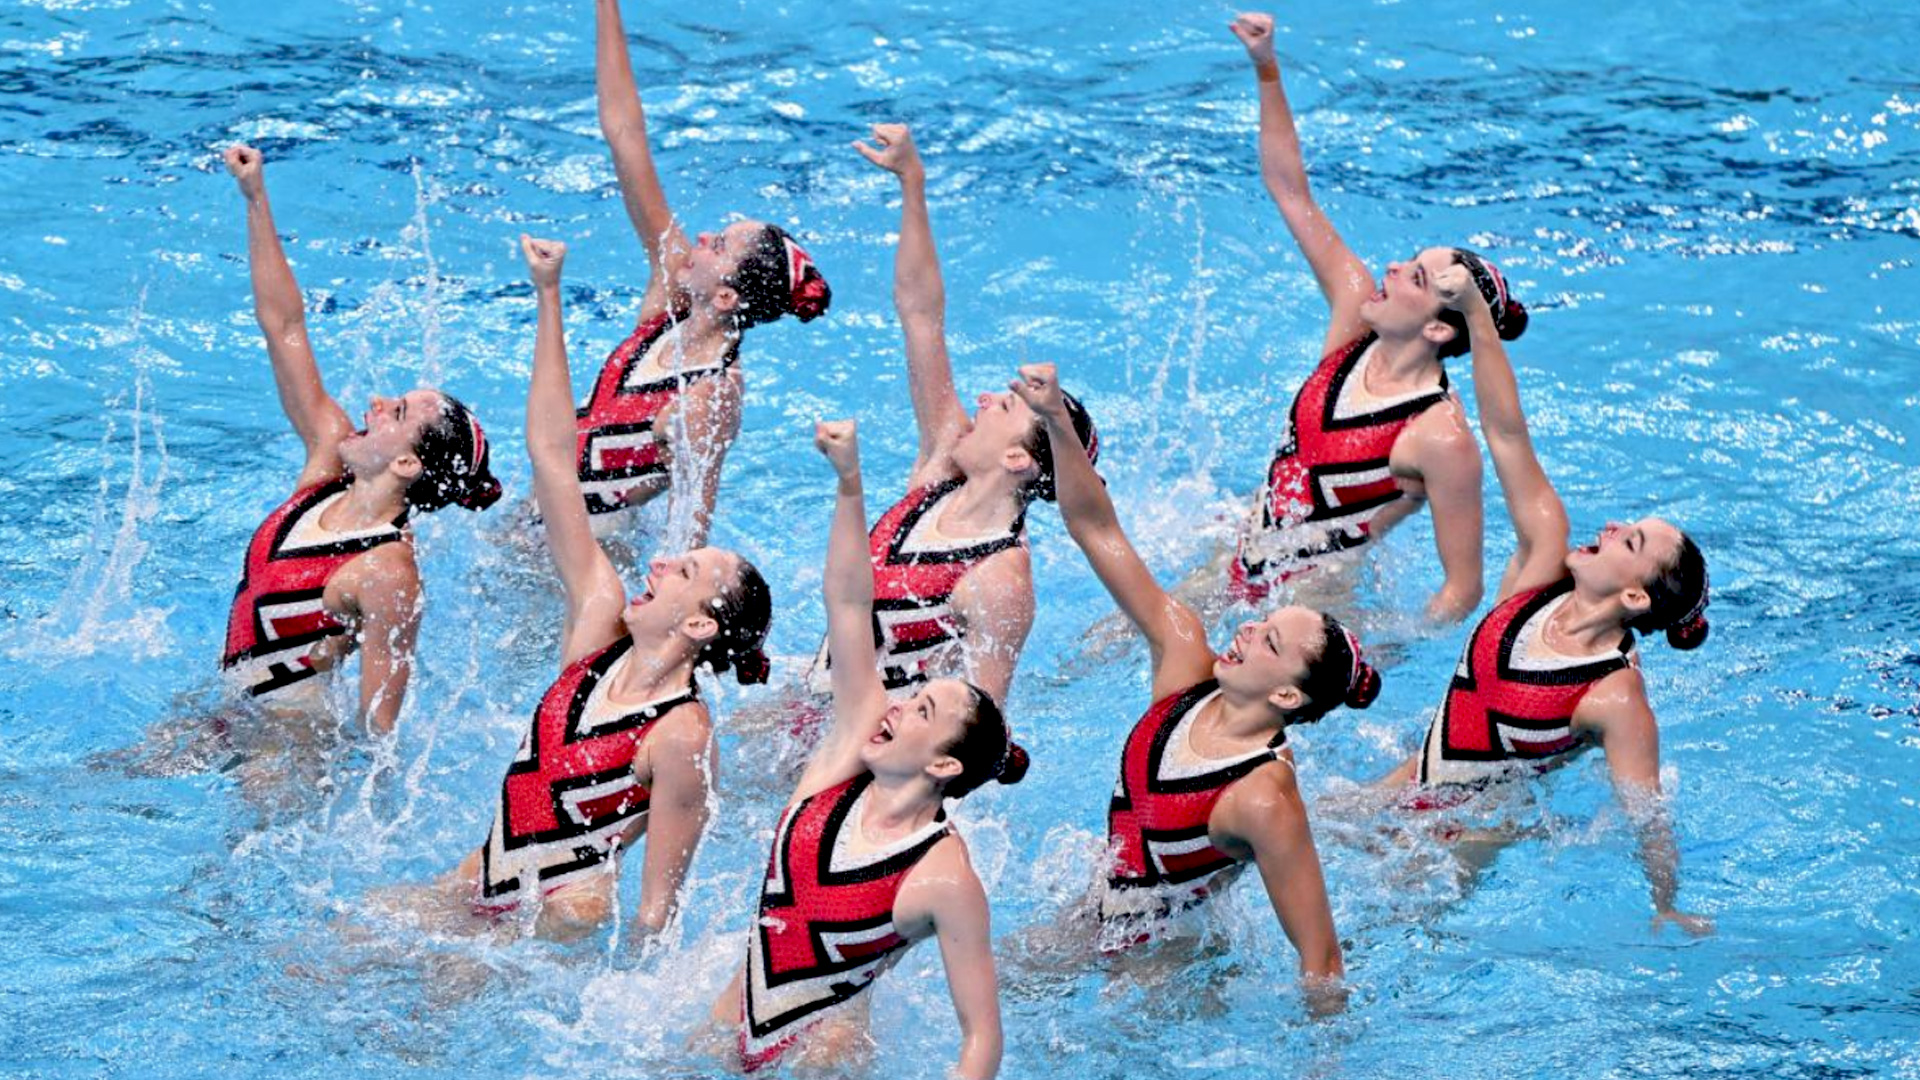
(570, 794)
(1331, 476)
(1163, 860)
(278, 616)
(618, 446)
(1512, 699)
(915, 573)
(825, 927)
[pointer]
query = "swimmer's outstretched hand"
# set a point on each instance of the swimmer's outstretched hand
(245, 163)
(543, 259)
(1693, 925)
(1455, 288)
(1255, 31)
(839, 442)
(895, 152)
(1039, 386)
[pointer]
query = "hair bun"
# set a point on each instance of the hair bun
(751, 668)
(811, 297)
(1690, 634)
(480, 494)
(1013, 767)
(1513, 321)
(1365, 687)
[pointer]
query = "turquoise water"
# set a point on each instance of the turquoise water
(1712, 210)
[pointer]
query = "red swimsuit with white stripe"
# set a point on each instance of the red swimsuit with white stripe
(1157, 822)
(914, 577)
(825, 927)
(277, 616)
(1512, 699)
(570, 794)
(1331, 475)
(617, 447)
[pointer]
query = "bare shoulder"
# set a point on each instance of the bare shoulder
(1442, 433)
(387, 570)
(941, 886)
(1012, 568)
(1618, 696)
(687, 726)
(1264, 805)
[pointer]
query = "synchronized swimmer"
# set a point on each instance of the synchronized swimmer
(928, 610)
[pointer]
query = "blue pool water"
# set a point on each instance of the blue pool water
(1712, 209)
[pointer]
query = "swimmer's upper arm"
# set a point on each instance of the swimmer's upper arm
(920, 299)
(705, 423)
(1539, 517)
(680, 764)
(943, 890)
(859, 695)
(383, 588)
(1448, 458)
(595, 595)
(994, 603)
(623, 123)
(281, 312)
(1266, 813)
(1342, 277)
(1616, 710)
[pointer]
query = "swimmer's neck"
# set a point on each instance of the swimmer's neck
(898, 806)
(1585, 624)
(652, 670)
(703, 328)
(1241, 719)
(368, 502)
(1399, 365)
(988, 503)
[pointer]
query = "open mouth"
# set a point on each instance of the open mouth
(1231, 657)
(646, 593)
(885, 734)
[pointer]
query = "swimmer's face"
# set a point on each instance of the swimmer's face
(716, 255)
(1268, 657)
(678, 594)
(997, 437)
(1405, 302)
(1624, 558)
(390, 431)
(915, 732)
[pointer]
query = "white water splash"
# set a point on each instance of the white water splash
(98, 609)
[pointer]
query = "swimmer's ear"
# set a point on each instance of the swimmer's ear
(700, 627)
(1287, 699)
(1018, 460)
(1438, 332)
(726, 299)
(944, 768)
(407, 467)
(1635, 600)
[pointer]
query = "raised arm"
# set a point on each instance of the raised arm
(1343, 278)
(624, 124)
(594, 593)
(1175, 636)
(859, 697)
(318, 419)
(1539, 517)
(920, 298)
(1617, 710)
